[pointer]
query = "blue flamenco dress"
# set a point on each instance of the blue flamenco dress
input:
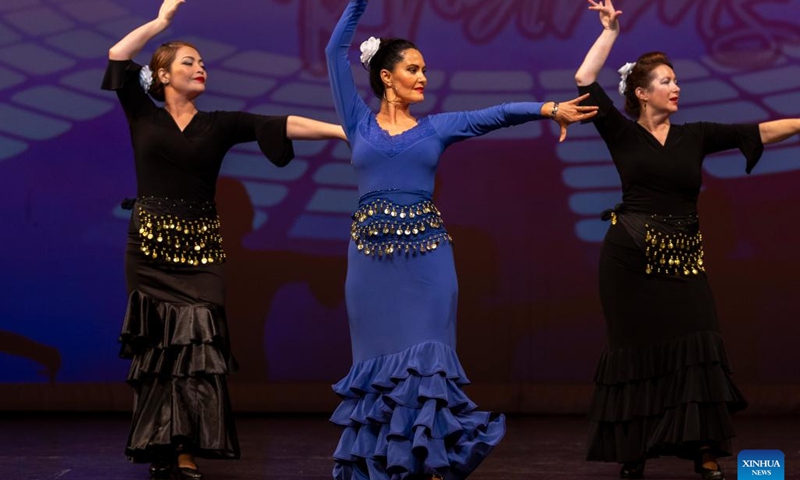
(403, 411)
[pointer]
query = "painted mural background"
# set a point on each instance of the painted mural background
(522, 208)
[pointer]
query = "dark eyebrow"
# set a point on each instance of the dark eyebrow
(191, 58)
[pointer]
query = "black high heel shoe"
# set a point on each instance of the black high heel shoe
(161, 470)
(190, 473)
(707, 473)
(632, 470)
(186, 473)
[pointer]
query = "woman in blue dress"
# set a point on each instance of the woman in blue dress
(403, 410)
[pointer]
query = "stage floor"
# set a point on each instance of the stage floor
(88, 447)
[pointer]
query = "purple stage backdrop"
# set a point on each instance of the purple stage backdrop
(522, 208)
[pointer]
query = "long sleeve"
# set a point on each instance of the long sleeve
(350, 107)
(456, 126)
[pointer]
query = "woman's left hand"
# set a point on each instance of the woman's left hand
(570, 112)
(608, 14)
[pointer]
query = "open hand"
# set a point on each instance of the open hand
(570, 112)
(608, 15)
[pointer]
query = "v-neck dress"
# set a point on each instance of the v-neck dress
(663, 383)
(175, 330)
(403, 411)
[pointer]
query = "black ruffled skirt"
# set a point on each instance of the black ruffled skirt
(663, 385)
(176, 335)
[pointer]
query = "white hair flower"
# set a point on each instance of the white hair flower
(624, 71)
(146, 78)
(369, 48)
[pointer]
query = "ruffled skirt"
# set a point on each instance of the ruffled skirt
(176, 335)
(403, 410)
(406, 414)
(663, 385)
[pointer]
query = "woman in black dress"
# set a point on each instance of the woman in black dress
(663, 384)
(175, 329)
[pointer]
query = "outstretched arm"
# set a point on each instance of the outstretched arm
(132, 43)
(778, 130)
(596, 58)
(567, 113)
(456, 126)
(302, 128)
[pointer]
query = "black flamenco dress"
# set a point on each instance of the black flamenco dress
(175, 330)
(663, 384)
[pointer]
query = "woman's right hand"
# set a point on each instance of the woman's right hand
(168, 9)
(571, 112)
(132, 43)
(608, 15)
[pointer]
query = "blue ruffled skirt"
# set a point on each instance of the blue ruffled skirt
(403, 409)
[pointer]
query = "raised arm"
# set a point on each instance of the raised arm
(302, 128)
(778, 130)
(349, 105)
(596, 58)
(132, 43)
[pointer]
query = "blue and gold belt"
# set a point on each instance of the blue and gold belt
(381, 227)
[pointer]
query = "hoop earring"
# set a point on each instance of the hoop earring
(386, 97)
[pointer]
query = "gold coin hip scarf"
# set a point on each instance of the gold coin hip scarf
(179, 232)
(383, 228)
(677, 254)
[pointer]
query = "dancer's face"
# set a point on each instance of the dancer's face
(406, 83)
(187, 74)
(663, 92)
